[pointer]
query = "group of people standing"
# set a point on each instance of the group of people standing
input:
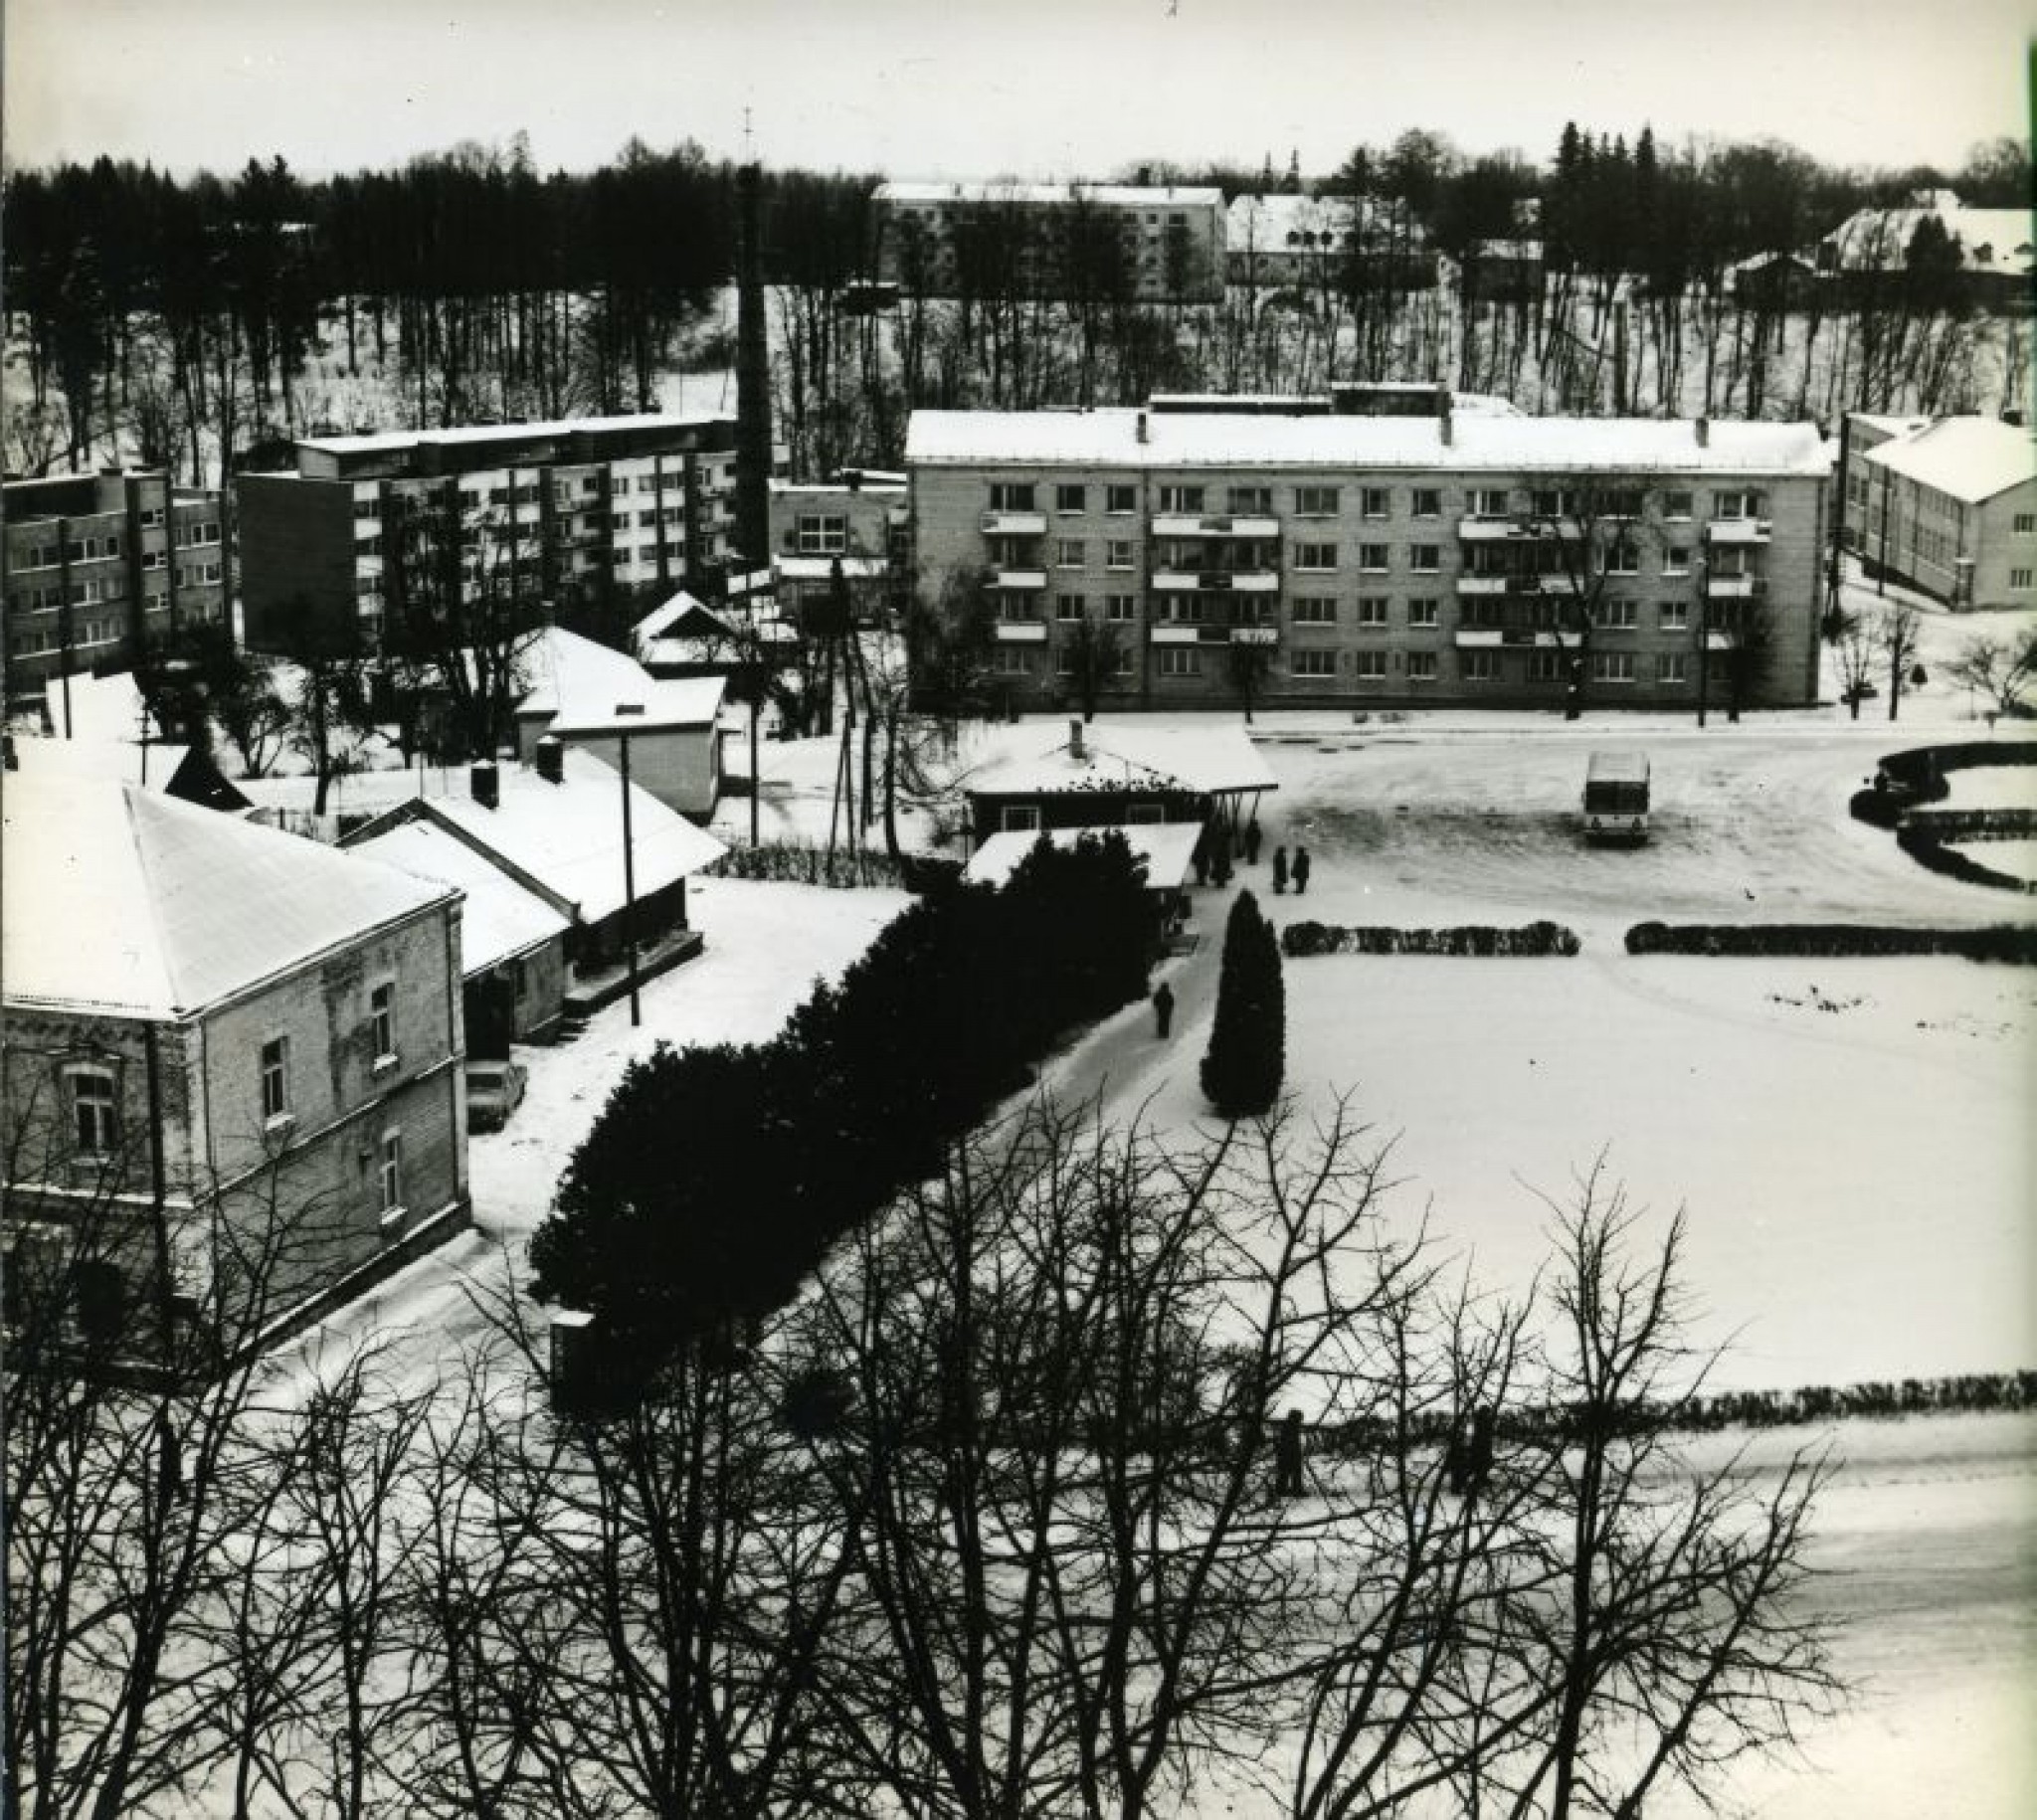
(1213, 858)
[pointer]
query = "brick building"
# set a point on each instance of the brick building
(233, 1064)
(860, 521)
(573, 513)
(1948, 506)
(1051, 240)
(93, 563)
(1382, 559)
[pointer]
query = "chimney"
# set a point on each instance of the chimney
(7, 757)
(551, 759)
(484, 784)
(1075, 750)
(1142, 425)
(1704, 430)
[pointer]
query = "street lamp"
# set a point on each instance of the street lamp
(1702, 569)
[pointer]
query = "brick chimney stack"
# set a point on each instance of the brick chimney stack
(484, 784)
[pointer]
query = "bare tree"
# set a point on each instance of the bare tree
(1095, 650)
(1897, 630)
(1851, 637)
(2000, 667)
(1581, 531)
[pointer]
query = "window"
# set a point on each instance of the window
(1315, 556)
(1676, 505)
(1315, 501)
(382, 1019)
(1120, 498)
(1371, 666)
(1251, 499)
(275, 1082)
(1615, 616)
(1071, 553)
(2025, 525)
(1018, 818)
(1426, 558)
(1421, 666)
(1428, 502)
(1612, 667)
(1012, 660)
(1421, 612)
(1547, 666)
(2019, 578)
(1012, 496)
(1736, 505)
(1372, 557)
(1372, 609)
(1669, 667)
(1145, 814)
(1623, 556)
(1181, 498)
(1120, 606)
(390, 1173)
(1072, 498)
(1375, 501)
(95, 1111)
(1067, 606)
(1620, 503)
(1315, 610)
(1480, 666)
(1315, 664)
(1118, 553)
(1486, 502)
(1180, 661)
(1556, 502)
(1673, 615)
(1676, 560)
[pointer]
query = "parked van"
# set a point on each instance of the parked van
(1616, 797)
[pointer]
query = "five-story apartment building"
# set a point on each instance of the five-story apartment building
(1331, 556)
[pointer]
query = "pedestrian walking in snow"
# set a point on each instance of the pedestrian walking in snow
(1163, 1006)
(1287, 1457)
(1201, 859)
(1279, 872)
(1251, 843)
(1301, 870)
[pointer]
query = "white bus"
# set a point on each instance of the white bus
(1616, 797)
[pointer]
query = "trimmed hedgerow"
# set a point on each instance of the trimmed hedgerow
(1929, 849)
(784, 863)
(715, 1179)
(1532, 938)
(2006, 942)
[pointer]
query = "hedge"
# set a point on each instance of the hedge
(1929, 849)
(2012, 943)
(1534, 939)
(784, 863)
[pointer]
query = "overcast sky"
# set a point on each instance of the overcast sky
(962, 87)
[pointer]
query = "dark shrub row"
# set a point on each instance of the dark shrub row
(1929, 849)
(1998, 942)
(782, 862)
(1917, 776)
(2002, 824)
(1532, 938)
(714, 1179)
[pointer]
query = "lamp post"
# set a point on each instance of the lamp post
(1703, 569)
(629, 880)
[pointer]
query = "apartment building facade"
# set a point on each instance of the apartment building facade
(95, 564)
(1054, 240)
(565, 512)
(860, 521)
(1948, 506)
(1380, 560)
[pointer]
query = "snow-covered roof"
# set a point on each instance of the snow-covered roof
(1281, 223)
(381, 441)
(1480, 443)
(1891, 426)
(101, 707)
(115, 761)
(580, 684)
(1995, 241)
(119, 900)
(1970, 457)
(1529, 250)
(500, 919)
(1202, 759)
(1167, 849)
(1118, 195)
(566, 838)
(667, 614)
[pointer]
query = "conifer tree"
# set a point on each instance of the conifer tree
(1248, 1041)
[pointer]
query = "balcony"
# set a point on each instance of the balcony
(1483, 527)
(1021, 581)
(1175, 632)
(1021, 632)
(1015, 524)
(1735, 586)
(1486, 584)
(1254, 634)
(1216, 581)
(1187, 525)
(1739, 530)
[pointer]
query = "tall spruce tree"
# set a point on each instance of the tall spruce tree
(1248, 1041)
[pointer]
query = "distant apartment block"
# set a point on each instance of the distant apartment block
(1051, 240)
(1374, 557)
(96, 563)
(1317, 240)
(859, 521)
(563, 512)
(1948, 506)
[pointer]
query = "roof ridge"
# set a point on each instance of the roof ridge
(144, 857)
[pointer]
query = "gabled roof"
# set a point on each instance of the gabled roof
(1203, 761)
(1970, 457)
(121, 900)
(1997, 241)
(579, 684)
(500, 919)
(175, 771)
(1167, 849)
(565, 839)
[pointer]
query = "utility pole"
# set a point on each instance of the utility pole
(628, 883)
(1704, 573)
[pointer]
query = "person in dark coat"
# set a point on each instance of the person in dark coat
(1251, 843)
(1301, 870)
(1163, 1006)
(1287, 1457)
(1279, 872)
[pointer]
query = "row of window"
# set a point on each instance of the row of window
(28, 642)
(106, 546)
(1618, 556)
(106, 590)
(1546, 664)
(1322, 501)
(1369, 611)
